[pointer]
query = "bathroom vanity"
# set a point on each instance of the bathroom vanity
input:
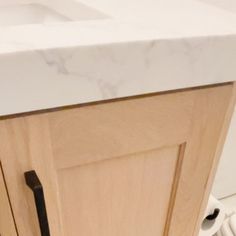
(113, 115)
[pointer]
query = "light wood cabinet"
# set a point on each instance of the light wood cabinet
(7, 225)
(129, 167)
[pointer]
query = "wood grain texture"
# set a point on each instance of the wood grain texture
(119, 196)
(210, 114)
(7, 225)
(217, 154)
(139, 166)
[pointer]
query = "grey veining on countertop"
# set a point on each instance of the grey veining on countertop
(141, 47)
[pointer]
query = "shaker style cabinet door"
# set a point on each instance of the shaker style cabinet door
(7, 225)
(129, 167)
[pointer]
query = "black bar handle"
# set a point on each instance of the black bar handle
(35, 185)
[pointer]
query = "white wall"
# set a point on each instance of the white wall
(225, 181)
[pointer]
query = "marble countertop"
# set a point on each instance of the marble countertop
(120, 48)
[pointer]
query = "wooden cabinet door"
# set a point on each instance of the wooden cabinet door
(7, 225)
(129, 167)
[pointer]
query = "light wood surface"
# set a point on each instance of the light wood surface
(217, 154)
(7, 226)
(133, 167)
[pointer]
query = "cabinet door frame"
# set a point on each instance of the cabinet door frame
(203, 116)
(7, 222)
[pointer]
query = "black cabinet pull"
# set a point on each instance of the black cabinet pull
(35, 185)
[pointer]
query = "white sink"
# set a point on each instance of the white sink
(29, 14)
(46, 12)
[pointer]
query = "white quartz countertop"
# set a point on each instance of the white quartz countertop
(111, 49)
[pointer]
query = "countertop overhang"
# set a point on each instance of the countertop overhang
(140, 47)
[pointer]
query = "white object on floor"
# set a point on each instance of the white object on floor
(229, 226)
(225, 229)
(210, 227)
(232, 223)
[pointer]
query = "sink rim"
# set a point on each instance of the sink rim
(69, 11)
(26, 14)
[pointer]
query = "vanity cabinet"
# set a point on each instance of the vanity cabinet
(128, 167)
(7, 225)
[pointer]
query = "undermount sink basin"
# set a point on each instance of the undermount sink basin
(29, 14)
(48, 12)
